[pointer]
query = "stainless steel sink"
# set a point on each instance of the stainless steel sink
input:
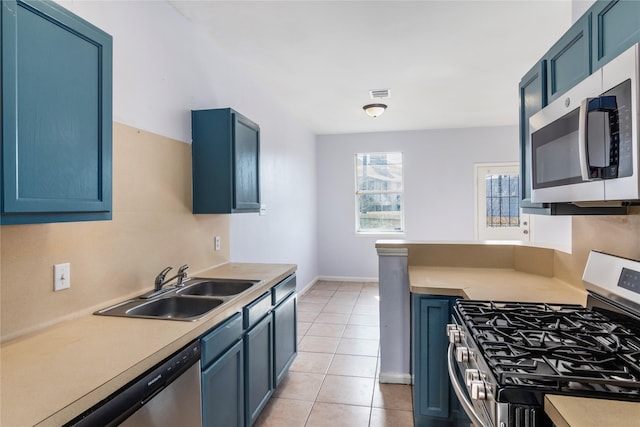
(176, 308)
(168, 308)
(190, 302)
(216, 287)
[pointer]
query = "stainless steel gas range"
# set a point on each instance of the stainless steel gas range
(505, 356)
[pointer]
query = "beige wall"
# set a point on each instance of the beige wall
(617, 235)
(152, 228)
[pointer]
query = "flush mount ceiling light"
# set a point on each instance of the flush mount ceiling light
(374, 110)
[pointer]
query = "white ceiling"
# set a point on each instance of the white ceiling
(448, 63)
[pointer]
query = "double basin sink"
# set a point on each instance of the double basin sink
(190, 302)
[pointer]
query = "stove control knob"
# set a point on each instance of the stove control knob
(478, 390)
(453, 331)
(470, 376)
(463, 354)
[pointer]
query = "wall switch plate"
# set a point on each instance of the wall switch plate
(61, 276)
(217, 239)
(263, 209)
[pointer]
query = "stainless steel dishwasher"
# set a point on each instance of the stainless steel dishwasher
(167, 395)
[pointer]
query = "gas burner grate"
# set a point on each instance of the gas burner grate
(554, 347)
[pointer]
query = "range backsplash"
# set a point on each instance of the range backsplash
(618, 235)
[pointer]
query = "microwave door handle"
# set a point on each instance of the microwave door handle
(602, 103)
(583, 142)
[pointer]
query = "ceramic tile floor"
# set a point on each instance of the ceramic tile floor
(333, 381)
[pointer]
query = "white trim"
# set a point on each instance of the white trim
(391, 378)
(308, 286)
(393, 251)
(521, 233)
(347, 279)
(379, 234)
(366, 233)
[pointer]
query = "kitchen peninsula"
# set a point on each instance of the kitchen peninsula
(419, 283)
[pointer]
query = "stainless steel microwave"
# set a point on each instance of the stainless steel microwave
(584, 145)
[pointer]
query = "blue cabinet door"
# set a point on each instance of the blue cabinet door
(285, 337)
(246, 165)
(569, 60)
(615, 26)
(223, 390)
(56, 115)
(533, 96)
(434, 403)
(223, 374)
(258, 346)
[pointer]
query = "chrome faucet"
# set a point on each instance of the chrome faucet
(182, 274)
(160, 281)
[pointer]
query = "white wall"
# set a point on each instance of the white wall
(163, 68)
(438, 181)
(579, 7)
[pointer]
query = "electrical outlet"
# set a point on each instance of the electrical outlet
(61, 276)
(217, 243)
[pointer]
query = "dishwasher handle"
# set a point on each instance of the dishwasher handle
(459, 391)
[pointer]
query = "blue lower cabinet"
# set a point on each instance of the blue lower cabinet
(434, 402)
(258, 347)
(285, 337)
(246, 356)
(223, 392)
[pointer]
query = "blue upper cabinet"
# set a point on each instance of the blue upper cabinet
(569, 60)
(616, 27)
(226, 162)
(533, 96)
(608, 28)
(56, 115)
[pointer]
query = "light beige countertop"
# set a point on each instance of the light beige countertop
(497, 284)
(567, 411)
(49, 377)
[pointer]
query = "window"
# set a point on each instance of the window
(379, 200)
(498, 203)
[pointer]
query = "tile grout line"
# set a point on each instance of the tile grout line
(341, 336)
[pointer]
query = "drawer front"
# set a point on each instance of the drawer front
(283, 289)
(256, 310)
(221, 338)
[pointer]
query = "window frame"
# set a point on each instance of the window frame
(357, 193)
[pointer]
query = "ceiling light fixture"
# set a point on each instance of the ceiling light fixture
(374, 110)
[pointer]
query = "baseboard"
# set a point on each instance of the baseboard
(308, 286)
(391, 378)
(347, 279)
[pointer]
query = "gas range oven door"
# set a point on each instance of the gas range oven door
(478, 391)
(468, 381)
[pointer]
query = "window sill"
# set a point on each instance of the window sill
(381, 235)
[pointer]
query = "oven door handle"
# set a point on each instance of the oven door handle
(457, 388)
